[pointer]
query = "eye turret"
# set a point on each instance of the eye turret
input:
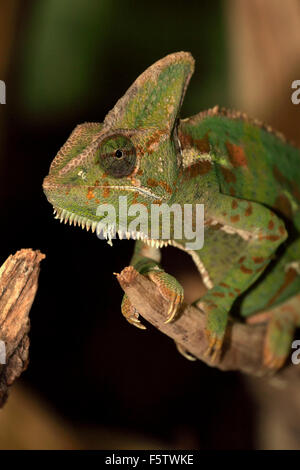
(117, 156)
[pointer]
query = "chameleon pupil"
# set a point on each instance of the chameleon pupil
(119, 153)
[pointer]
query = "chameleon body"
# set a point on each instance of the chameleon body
(246, 175)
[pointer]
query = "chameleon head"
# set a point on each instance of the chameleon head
(133, 153)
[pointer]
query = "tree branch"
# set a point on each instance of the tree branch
(243, 344)
(18, 285)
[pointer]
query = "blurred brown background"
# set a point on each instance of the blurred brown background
(94, 381)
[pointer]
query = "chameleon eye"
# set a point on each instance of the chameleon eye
(119, 153)
(117, 156)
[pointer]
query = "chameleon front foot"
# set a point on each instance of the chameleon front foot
(170, 289)
(130, 313)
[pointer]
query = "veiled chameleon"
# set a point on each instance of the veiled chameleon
(246, 175)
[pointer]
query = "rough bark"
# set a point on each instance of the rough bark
(18, 285)
(243, 344)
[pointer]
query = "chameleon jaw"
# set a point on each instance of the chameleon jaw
(108, 233)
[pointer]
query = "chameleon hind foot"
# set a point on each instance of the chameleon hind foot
(278, 341)
(130, 313)
(214, 347)
(216, 322)
(170, 289)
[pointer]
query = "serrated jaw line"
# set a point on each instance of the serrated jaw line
(109, 233)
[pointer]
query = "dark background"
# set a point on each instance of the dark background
(67, 62)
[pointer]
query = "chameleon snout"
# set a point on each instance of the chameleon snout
(51, 188)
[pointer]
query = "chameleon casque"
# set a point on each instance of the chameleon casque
(246, 175)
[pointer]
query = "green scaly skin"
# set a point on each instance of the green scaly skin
(246, 175)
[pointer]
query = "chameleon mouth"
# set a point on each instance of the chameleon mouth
(109, 232)
(49, 185)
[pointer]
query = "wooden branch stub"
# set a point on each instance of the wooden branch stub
(18, 285)
(242, 349)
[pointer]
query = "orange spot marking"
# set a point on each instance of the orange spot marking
(97, 201)
(242, 259)
(232, 191)
(231, 294)
(271, 225)
(90, 194)
(135, 197)
(218, 294)
(258, 259)
(236, 155)
(234, 218)
(199, 168)
(185, 140)
(246, 270)
(228, 175)
(210, 306)
(154, 183)
(133, 180)
(249, 210)
(234, 204)
(105, 191)
(224, 285)
(203, 144)
(213, 227)
(272, 238)
(282, 230)
(153, 141)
